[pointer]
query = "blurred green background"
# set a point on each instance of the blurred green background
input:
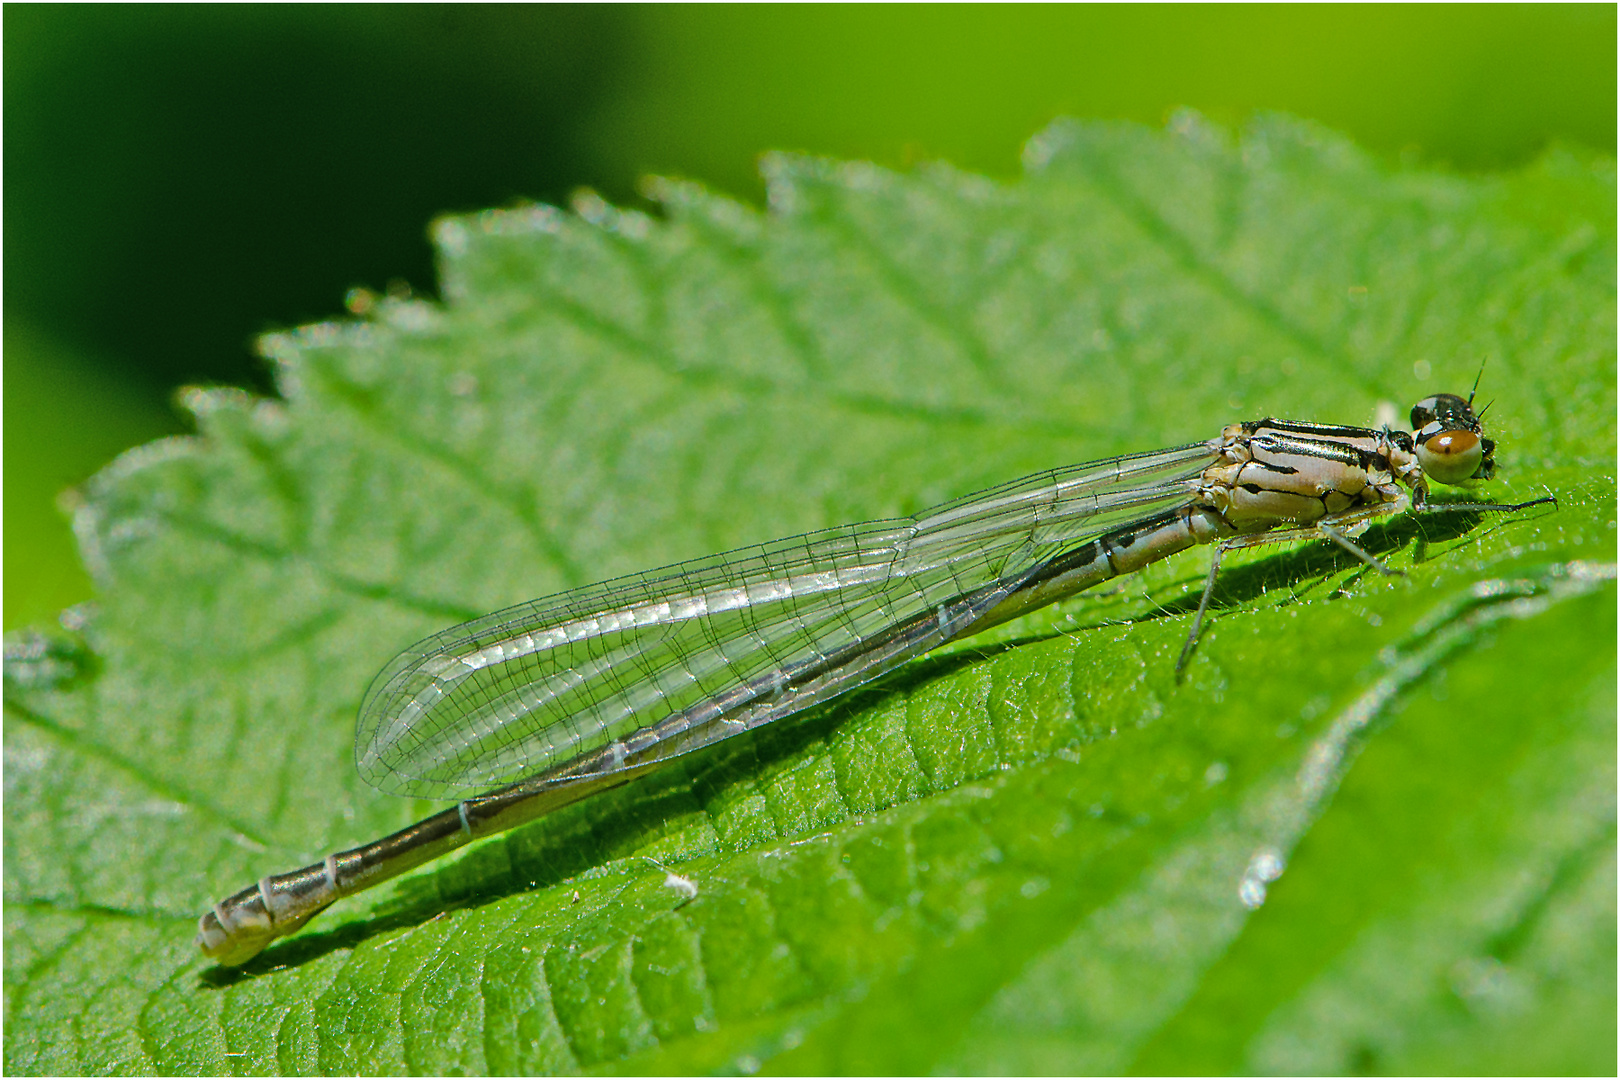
(181, 179)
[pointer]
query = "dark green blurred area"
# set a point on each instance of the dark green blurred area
(180, 179)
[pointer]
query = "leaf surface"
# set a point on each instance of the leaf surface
(1373, 830)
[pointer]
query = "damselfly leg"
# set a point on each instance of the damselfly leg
(1338, 530)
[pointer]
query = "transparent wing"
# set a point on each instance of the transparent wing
(636, 670)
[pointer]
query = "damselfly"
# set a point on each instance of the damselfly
(534, 707)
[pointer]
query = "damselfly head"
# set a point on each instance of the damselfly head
(1451, 443)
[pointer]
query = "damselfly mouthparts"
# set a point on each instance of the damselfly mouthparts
(534, 707)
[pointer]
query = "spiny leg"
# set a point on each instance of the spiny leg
(1324, 529)
(1203, 606)
(1349, 545)
(1329, 529)
(1482, 508)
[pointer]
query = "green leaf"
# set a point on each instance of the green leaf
(1373, 830)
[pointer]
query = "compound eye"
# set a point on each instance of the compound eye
(1451, 456)
(1423, 413)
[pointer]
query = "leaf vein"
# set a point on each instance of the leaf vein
(99, 752)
